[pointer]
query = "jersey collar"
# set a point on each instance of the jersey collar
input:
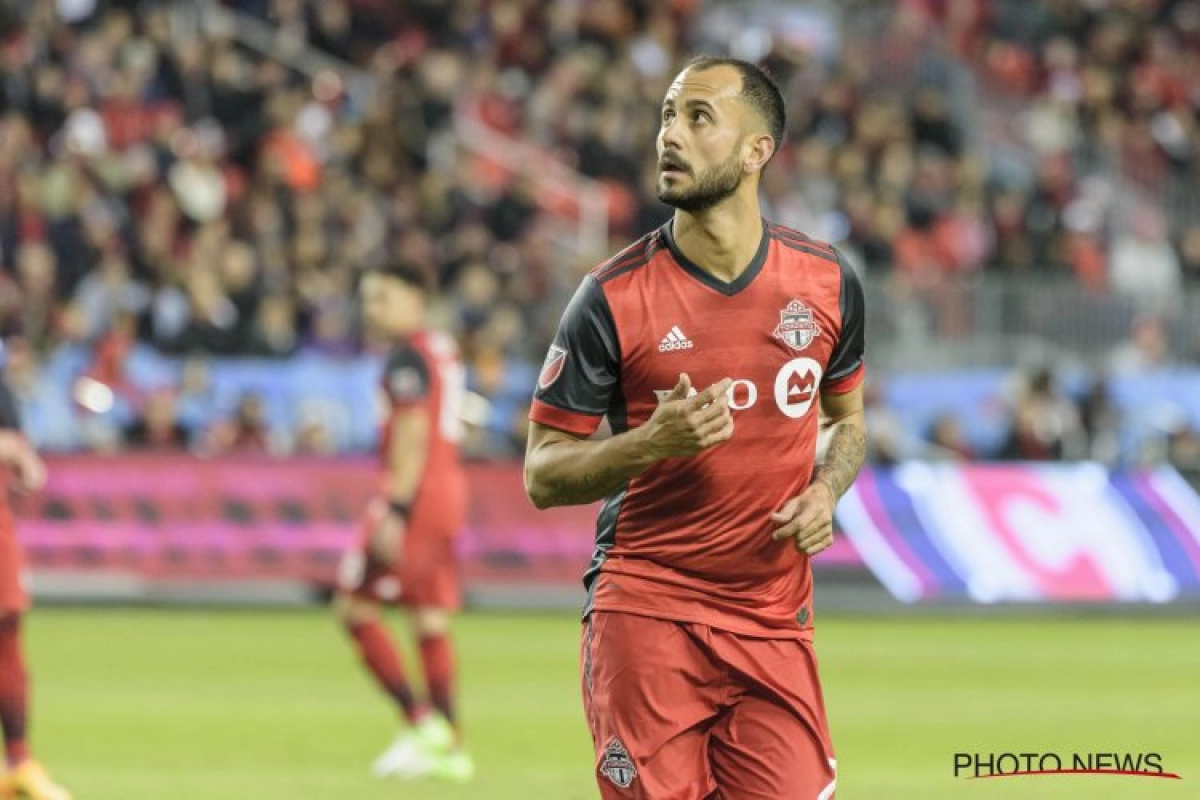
(728, 288)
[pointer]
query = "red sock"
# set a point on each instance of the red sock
(437, 657)
(14, 690)
(380, 657)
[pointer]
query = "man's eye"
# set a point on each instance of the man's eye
(668, 116)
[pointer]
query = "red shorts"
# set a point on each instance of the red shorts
(680, 711)
(13, 596)
(425, 577)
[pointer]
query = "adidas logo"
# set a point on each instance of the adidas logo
(674, 340)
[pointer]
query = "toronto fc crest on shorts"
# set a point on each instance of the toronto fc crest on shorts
(796, 326)
(617, 766)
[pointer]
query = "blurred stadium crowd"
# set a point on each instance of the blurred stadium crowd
(171, 200)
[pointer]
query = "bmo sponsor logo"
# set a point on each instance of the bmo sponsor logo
(794, 389)
(796, 386)
(742, 395)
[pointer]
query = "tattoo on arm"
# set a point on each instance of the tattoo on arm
(846, 452)
(588, 487)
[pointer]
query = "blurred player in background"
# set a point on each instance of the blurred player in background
(712, 345)
(24, 777)
(406, 555)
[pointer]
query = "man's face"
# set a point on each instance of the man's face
(700, 139)
(390, 307)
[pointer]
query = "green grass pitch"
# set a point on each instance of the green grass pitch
(221, 705)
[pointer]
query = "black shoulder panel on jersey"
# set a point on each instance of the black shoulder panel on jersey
(407, 378)
(10, 416)
(851, 345)
(798, 241)
(636, 255)
(591, 368)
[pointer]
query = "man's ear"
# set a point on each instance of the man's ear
(759, 151)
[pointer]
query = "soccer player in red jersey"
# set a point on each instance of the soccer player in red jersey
(406, 555)
(23, 777)
(718, 347)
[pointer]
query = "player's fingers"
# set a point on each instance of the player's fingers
(711, 422)
(812, 537)
(722, 434)
(818, 543)
(787, 530)
(682, 387)
(718, 411)
(786, 511)
(806, 516)
(710, 394)
(805, 520)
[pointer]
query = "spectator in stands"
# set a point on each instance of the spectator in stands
(1045, 423)
(1147, 349)
(1101, 421)
(886, 444)
(1145, 268)
(1183, 452)
(245, 432)
(158, 426)
(947, 442)
(1189, 256)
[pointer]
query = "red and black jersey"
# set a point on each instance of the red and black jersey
(424, 371)
(690, 539)
(10, 426)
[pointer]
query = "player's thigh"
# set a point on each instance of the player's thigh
(429, 572)
(13, 597)
(362, 580)
(761, 750)
(775, 740)
(651, 694)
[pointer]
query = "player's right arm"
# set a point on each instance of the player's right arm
(15, 450)
(562, 469)
(578, 386)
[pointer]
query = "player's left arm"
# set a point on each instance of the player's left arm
(807, 519)
(408, 384)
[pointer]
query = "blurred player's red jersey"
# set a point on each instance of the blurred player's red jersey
(424, 371)
(690, 539)
(13, 596)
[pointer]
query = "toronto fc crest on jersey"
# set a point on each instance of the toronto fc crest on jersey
(617, 766)
(797, 328)
(556, 359)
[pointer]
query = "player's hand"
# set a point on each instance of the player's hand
(16, 452)
(387, 542)
(683, 426)
(807, 519)
(32, 471)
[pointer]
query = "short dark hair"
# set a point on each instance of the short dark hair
(758, 89)
(406, 272)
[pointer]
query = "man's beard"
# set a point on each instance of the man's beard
(710, 188)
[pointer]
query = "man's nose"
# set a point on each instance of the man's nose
(668, 137)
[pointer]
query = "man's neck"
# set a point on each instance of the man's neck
(722, 240)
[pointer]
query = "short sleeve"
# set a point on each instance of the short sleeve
(845, 371)
(406, 378)
(579, 377)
